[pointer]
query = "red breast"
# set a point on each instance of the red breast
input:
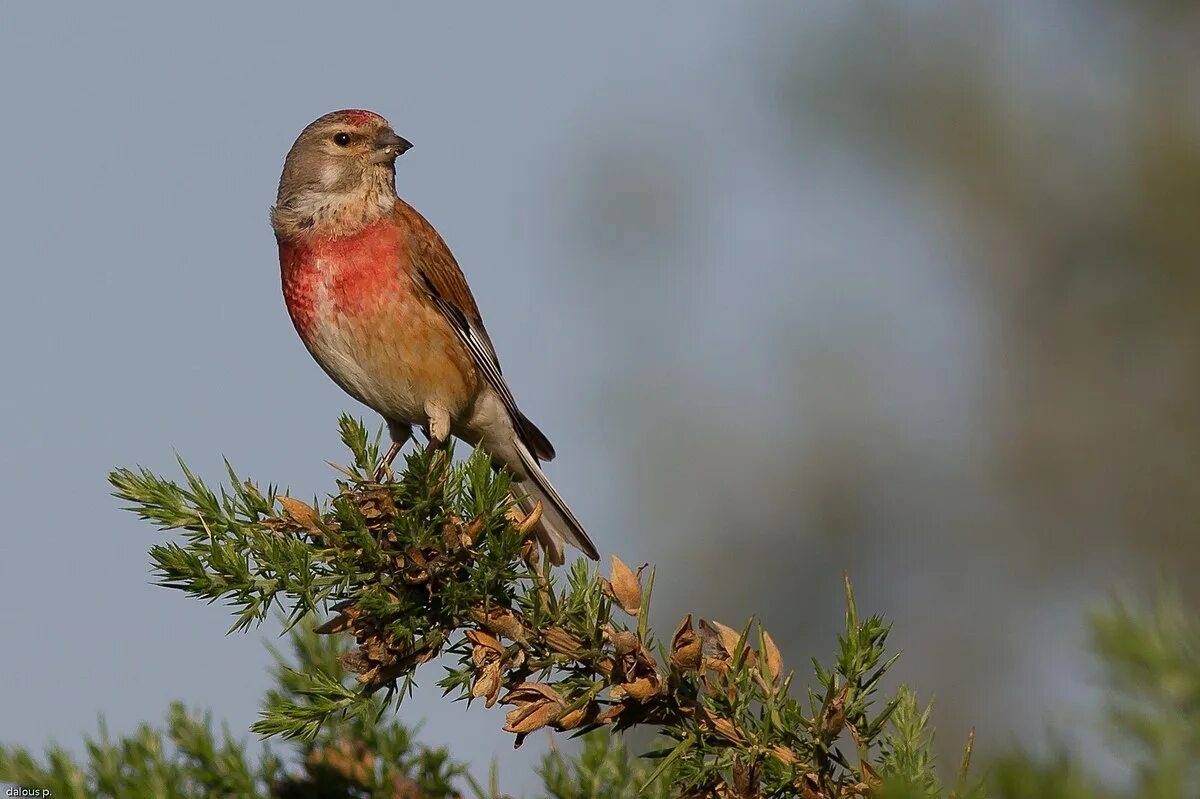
(352, 301)
(347, 276)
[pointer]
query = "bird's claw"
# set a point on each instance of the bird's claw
(384, 469)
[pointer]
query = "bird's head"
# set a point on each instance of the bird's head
(340, 171)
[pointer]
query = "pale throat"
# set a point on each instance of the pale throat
(327, 212)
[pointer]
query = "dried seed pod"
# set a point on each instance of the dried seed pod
(472, 531)
(537, 704)
(717, 725)
(719, 639)
(562, 641)
(481, 639)
(577, 717)
(487, 683)
(613, 713)
(625, 587)
(355, 662)
(833, 719)
(531, 518)
(639, 689)
(685, 646)
(529, 692)
(785, 756)
(531, 717)
(500, 622)
(623, 641)
(451, 535)
(301, 513)
(341, 622)
(773, 656)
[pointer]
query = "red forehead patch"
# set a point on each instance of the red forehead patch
(356, 116)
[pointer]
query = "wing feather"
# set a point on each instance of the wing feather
(442, 281)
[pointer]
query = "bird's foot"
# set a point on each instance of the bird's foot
(384, 470)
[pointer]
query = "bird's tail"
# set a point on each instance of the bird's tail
(558, 524)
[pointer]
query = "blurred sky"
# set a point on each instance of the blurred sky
(764, 336)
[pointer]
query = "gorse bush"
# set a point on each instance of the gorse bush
(438, 562)
(1150, 664)
(383, 577)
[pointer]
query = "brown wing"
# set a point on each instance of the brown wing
(441, 279)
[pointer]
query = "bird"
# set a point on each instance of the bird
(382, 306)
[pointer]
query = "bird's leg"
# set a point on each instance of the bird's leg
(437, 428)
(400, 434)
(392, 452)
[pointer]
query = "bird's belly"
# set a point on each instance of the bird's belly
(397, 360)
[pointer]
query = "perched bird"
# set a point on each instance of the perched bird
(382, 306)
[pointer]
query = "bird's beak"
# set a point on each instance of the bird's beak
(389, 146)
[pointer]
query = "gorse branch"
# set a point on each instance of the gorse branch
(359, 757)
(438, 562)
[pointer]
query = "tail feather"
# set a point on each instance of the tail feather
(536, 440)
(558, 524)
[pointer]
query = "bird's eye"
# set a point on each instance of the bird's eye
(341, 139)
